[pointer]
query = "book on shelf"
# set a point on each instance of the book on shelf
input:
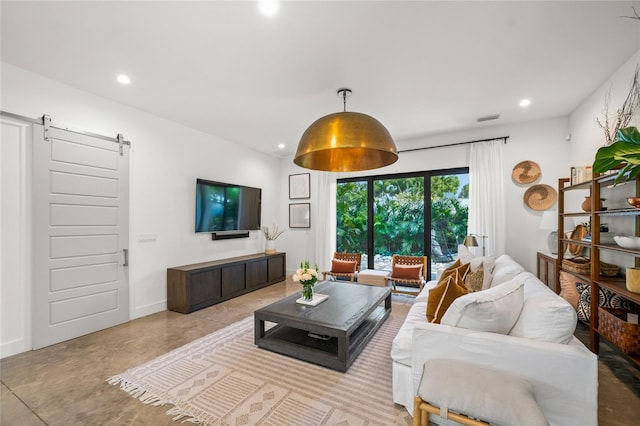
(581, 174)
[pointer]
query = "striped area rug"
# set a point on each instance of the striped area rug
(224, 379)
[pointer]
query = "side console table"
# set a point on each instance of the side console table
(546, 266)
(193, 287)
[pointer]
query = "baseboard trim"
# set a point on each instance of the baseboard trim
(13, 348)
(152, 308)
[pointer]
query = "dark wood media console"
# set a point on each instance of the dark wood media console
(193, 287)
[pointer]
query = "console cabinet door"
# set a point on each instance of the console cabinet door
(256, 273)
(232, 279)
(276, 269)
(204, 288)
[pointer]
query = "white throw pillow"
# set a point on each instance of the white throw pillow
(505, 270)
(464, 254)
(494, 310)
(545, 316)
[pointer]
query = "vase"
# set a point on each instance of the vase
(307, 291)
(633, 280)
(270, 247)
(586, 204)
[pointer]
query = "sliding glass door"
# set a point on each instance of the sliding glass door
(380, 216)
(449, 217)
(352, 220)
(398, 219)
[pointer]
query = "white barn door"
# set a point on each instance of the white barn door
(80, 235)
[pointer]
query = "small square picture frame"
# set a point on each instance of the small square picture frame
(300, 215)
(299, 186)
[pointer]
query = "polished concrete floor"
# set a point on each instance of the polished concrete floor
(64, 384)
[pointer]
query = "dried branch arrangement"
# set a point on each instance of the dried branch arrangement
(611, 123)
(636, 16)
(272, 232)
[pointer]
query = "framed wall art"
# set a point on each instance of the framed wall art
(299, 186)
(300, 215)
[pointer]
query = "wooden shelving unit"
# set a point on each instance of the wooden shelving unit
(614, 284)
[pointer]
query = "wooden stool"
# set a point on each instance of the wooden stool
(465, 392)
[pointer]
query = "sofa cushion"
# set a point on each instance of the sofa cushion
(494, 310)
(407, 272)
(443, 295)
(487, 394)
(487, 263)
(343, 266)
(505, 270)
(459, 271)
(473, 280)
(545, 316)
(568, 289)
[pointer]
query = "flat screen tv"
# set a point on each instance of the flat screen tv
(222, 207)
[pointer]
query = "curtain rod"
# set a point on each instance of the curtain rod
(503, 138)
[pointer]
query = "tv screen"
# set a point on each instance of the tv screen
(227, 207)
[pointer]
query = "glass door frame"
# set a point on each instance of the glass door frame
(426, 175)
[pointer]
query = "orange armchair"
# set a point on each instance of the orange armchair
(342, 266)
(409, 271)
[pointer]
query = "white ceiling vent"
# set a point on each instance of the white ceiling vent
(488, 118)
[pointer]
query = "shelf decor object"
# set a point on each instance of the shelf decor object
(613, 326)
(346, 142)
(526, 172)
(540, 197)
(632, 280)
(616, 324)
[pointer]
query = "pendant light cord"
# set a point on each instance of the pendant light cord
(344, 92)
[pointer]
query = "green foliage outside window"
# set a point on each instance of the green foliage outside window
(399, 215)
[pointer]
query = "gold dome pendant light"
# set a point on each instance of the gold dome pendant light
(346, 142)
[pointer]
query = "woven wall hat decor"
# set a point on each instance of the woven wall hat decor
(526, 172)
(540, 197)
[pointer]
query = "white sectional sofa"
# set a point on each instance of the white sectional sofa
(539, 347)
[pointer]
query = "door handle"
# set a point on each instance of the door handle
(126, 257)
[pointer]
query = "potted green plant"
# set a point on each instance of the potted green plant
(623, 154)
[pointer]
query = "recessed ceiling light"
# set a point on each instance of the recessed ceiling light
(525, 103)
(268, 8)
(280, 146)
(123, 79)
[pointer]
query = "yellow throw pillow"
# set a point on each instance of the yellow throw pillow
(443, 295)
(458, 271)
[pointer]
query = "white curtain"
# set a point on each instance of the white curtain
(486, 195)
(324, 222)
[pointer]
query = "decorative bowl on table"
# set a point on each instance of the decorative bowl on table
(634, 201)
(632, 243)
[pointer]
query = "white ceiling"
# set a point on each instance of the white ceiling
(420, 67)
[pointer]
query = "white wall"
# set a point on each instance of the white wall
(166, 159)
(587, 136)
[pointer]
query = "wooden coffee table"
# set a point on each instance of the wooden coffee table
(331, 334)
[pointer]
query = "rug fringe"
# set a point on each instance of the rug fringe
(137, 392)
(180, 414)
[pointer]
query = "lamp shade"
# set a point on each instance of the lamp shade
(471, 241)
(345, 142)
